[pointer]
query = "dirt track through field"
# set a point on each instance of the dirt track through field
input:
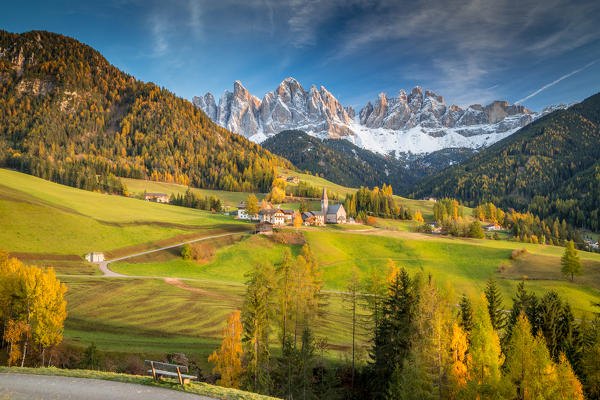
(181, 285)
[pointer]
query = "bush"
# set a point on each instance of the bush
(186, 252)
(517, 253)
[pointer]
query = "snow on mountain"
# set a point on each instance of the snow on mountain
(416, 123)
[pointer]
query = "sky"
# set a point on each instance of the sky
(529, 52)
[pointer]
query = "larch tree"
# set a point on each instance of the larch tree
(256, 314)
(227, 359)
(567, 386)
(376, 288)
(485, 355)
(251, 205)
(297, 220)
(458, 374)
(418, 217)
(351, 297)
(570, 262)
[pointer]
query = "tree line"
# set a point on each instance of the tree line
(376, 202)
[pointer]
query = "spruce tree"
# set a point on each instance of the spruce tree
(521, 304)
(549, 311)
(466, 314)
(495, 308)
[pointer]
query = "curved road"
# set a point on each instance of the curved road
(43, 387)
(108, 272)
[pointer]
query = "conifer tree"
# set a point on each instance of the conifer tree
(571, 265)
(485, 356)
(227, 359)
(494, 303)
(466, 314)
(351, 297)
(566, 384)
(458, 374)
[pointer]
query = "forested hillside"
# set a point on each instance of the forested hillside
(551, 168)
(346, 164)
(68, 115)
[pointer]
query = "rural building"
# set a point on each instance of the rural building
(243, 214)
(293, 179)
(264, 228)
(334, 214)
(274, 216)
(94, 257)
(288, 215)
(313, 218)
(493, 227)
(157, 197)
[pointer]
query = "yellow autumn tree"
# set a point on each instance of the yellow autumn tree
(458, 374)
(567, 386)
(418, 217)
(33, 299)
(15, 333)
(297, 220)
(227, 359)
(392, 271)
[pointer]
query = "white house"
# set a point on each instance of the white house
(243, 214)
(276, 217)
(94, 257)
(493, 227)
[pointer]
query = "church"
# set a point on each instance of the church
(330, 214)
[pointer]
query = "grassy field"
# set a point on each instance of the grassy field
(199, 388)
(43, 217)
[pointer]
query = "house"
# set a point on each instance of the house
(288, 215)
(313, 218)
(157, 197)
(243, 214)
(274, 216)
(293, 179)
(492, 227)
(264, 228)
(94, 257)
(334, 214)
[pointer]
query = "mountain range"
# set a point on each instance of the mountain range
(418, 122)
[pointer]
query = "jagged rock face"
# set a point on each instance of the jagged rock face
(417, 122)
(287, 107)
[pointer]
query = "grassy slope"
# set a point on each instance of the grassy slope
(43, 217)
(195, 387)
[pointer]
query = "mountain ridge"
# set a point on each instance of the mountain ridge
(415, 123)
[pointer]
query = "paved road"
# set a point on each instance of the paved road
(108, 272)
(41, 387)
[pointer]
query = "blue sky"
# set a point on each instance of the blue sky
(471, 51)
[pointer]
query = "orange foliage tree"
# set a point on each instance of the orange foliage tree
(227, 359)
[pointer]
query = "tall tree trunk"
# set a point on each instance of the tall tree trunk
(24, 354)
(353, 335)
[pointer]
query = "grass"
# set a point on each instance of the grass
(199, 388)
(43, 217)
(230, 199)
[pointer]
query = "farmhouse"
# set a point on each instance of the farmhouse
(243, 214)
(275, 217)
(94, 257)
(313, 218)
(334, 214)
(157, 197)
(492, 227)
(293, 179)
(288, 215)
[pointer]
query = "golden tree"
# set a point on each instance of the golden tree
(418, 217)
(297, 220)
(227, 359)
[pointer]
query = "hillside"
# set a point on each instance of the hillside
(68, 115)
(551, 168)
(347, 164)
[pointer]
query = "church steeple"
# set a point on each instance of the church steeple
(324, 202)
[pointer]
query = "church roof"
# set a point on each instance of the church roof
(333, 209)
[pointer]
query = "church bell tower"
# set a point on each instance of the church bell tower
(324, 202)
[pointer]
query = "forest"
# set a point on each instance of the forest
(549, 168)
(421, 344)
(69, 116)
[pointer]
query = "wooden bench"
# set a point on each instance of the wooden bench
(160, 369)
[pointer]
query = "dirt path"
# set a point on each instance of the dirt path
(181, 285)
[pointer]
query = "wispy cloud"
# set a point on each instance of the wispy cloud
(195, 17)
(546, 86)
(159, 34)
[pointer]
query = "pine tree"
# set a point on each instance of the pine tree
(495, 307)
(466, 314)
(549, 313)
(571, 265)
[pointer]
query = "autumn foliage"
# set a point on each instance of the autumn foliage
(227, 359)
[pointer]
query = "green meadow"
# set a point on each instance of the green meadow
(53, 225)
